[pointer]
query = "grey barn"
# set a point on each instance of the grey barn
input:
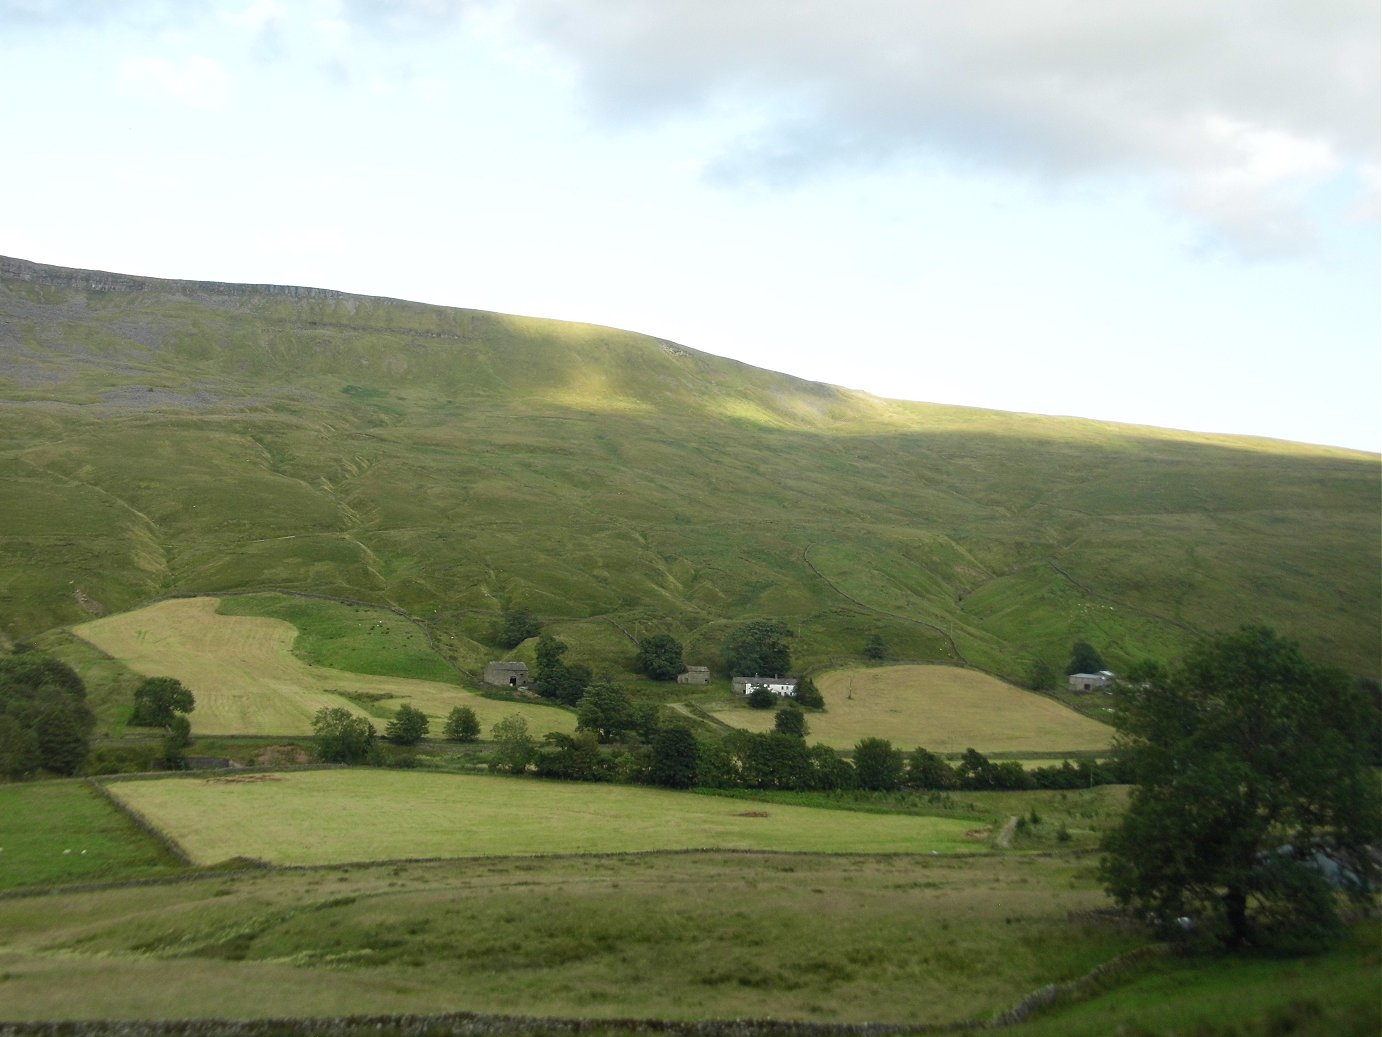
(507, 674)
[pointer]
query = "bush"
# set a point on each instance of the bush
(342, 737)
(761, 698)
(407, 726)
(462, 725)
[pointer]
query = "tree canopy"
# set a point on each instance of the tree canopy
(1084, 659)
(605, 710)
(462, 725)
(407, 726)
(1251, 790)
(659, 657)
(45, 722)
(158, 700)
(759, 649)
(516, 625)
(342, 737)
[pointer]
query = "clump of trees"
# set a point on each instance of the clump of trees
(515, 626)
(342, 737)
(1084, 658)
(876, 648)
(659, 657)
(555, 679)
(1254, 802)
(45, 722)
(759, 648)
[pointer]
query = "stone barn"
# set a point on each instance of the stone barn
(1090, 681)
(507, 674)
(695, 675)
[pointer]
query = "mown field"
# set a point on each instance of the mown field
(943, 708)
(335, 816)
(247, 679)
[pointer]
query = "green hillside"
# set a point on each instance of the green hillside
(163, 437)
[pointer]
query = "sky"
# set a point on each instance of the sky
(1158, 213)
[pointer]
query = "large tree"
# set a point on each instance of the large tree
(1253, 802)
(158, 700)
(759, 649)
(659, 657)
(50, 722)
(342, 737)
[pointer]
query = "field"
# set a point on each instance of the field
(331, 817)
(65, 831)
(943, 708)
(685, 936)
(247, 680)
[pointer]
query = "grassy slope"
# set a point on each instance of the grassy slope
(679, 936)
(944, 708)
(247, 680)
(448, 462)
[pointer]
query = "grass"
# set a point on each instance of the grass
(327, 817)
(1328, 995)
(943, 708)
(829, 938)
(449, 463)
(247, 679)
(358, 638)
(64, 831)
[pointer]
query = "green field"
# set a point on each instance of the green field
(65, 831)
(329, 817)
(450, 463)
(943, 708)
(248, 680)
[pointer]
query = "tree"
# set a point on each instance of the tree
(878, 764)
(514, 748)
(342, 737)
(515, 627)
(1084, 659)
(659, 657)
(761, 697)
(407, 726)
(462, 725)
(51, 722)
(758, 649)
(605, 710)
(158, 699)
(1042, 676)
(790, 721)
(676, 754)
(926, 770)
(175, 743)
(1249, 763)
(876, 649)
(808, 695)
(554, 678)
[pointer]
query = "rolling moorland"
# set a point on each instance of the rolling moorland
(176, 453)
(167, 437)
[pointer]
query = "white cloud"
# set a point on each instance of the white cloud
(1237, 110)
(194, 80)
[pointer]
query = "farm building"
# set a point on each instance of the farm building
(695, 675)
(784, 686)
(507, 674)
(1090, 681)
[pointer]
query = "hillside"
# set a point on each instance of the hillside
(171, 437)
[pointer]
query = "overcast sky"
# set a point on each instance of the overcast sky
(1163, 213)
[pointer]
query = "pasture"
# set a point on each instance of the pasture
(682, 936)
(337, 816)
(65, 831)
(247, 680)
(943, 708)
